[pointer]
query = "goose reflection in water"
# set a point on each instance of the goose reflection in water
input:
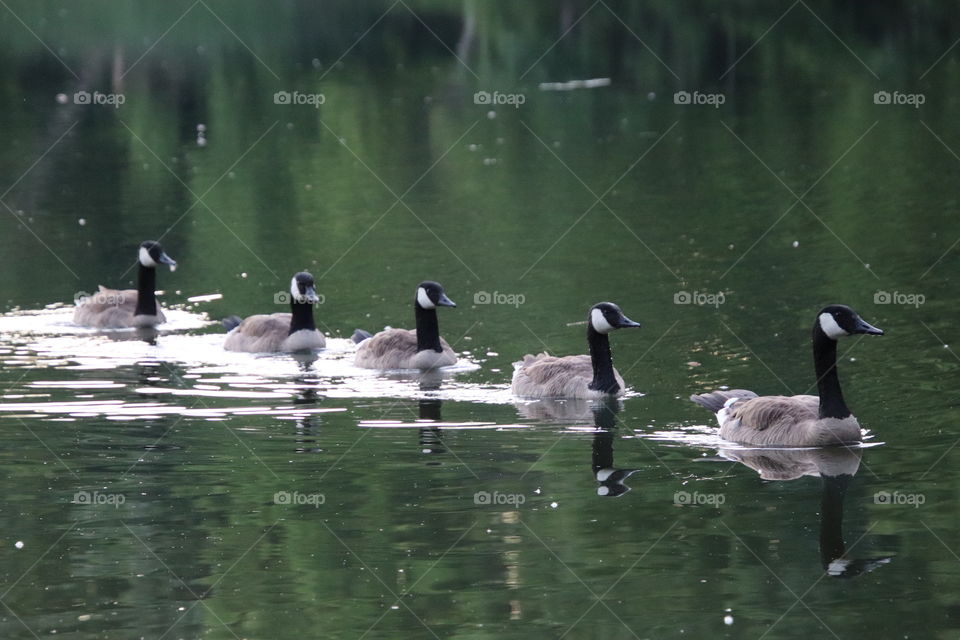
(603, 412)
(306, 430)
(605, 472)
(431, 438)
(143, 334)
(835, 467)
(306, 435)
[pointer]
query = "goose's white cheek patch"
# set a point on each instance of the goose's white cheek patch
(830, 327)
(145, 258)
(424, 300)
(600, 324)
(294, 289)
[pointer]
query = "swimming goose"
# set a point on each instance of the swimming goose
(408, 349)
(592, 376)
(121, 308)
(798, 421)
(282, 332)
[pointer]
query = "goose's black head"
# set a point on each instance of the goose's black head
(151, 254)
(606, 316)
(838, 320)
(430, 295)
(302, 289)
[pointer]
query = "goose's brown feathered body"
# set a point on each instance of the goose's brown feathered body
(397, 349)
(271, 334)
(777, 420)
(546, 376)
(113, 309)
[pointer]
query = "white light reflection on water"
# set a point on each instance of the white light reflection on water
(177, 371)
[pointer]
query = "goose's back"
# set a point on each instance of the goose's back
(546, 376)
(259, 334)
(785, 421)
(397, 349)
(110, 309)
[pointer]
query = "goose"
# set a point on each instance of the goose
(592, 376)
(422, 348)
(803, 420)
(122, 308)
(281, 332)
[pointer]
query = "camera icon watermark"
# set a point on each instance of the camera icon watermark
(296, 98)
(897, 498)
(700, 298)
(295, 498)
(497, 98)
(511, 299)
(897, 98)
(696, 498)
(101, 99)
(496, 498)
(897, 297)
(95, 498)
(696, 98)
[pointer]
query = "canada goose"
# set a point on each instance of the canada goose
(797, 421)
(121, 308)
(408, 349)
(593, 376)
(281, 332)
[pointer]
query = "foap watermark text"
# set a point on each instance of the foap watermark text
(898, 297)
(297, 98)
(497, 98)
(285, 297)
(296, 498)
(486, 297)
(697, 498)
(497, 498)
(696, 98)
(109, 297)
(898, 98)
(97, 498)
(700, 298)
(101, 99)
(899, 499)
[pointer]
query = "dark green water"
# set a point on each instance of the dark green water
(798, 191)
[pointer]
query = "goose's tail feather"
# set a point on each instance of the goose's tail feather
(231, 322)
(359, 335)
(716, 400)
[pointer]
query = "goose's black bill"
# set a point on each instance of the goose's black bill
(444, 301)
(865, 327)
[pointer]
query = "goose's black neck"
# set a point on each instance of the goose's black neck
(301, 316)
(146, 291)
(603, 379)
(428, 329)
(828, 382)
